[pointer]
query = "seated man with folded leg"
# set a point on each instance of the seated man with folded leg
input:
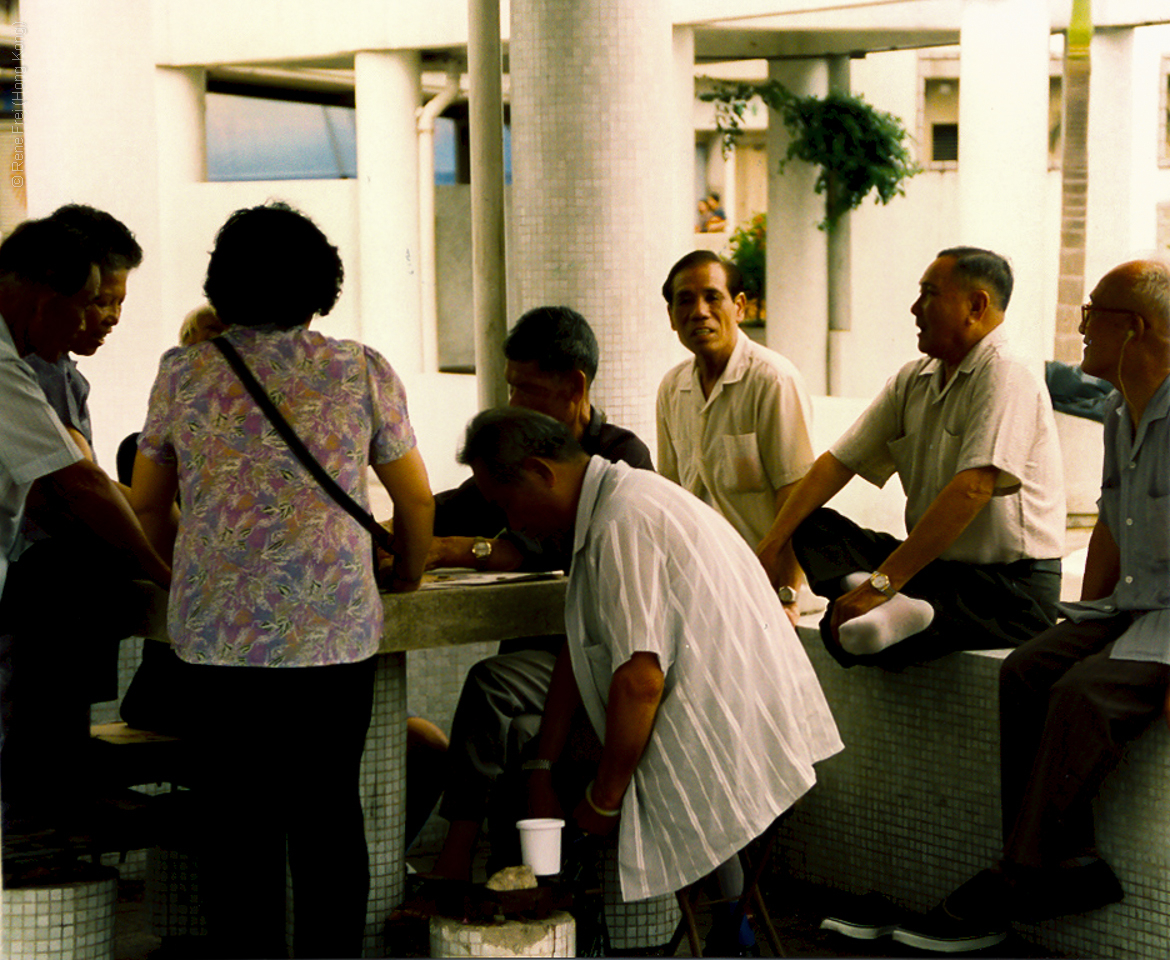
(969, 431)
(551, 357)
(1074, 696)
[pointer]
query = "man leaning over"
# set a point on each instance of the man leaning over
(704, 715)
(551, 359)
(48, 279)
(970, 432)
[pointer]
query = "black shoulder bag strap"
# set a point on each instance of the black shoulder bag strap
(381, 536)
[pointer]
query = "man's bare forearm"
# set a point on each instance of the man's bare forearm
(951, 512)
(87, 493)
(634, 695)
(826, 478)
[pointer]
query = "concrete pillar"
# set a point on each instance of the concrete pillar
(78, 152)
(682, 202)
(488, 253)
(797, 260)
(1003, 153)
(594, 164)
(839, 242)
(387, 89)
(1110, 235)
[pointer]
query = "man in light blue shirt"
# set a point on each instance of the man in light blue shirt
(1074, 696)
(48, 279)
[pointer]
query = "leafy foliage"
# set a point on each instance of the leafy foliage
(749, 245)
(858, 147)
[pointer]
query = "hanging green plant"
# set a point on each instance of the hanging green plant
(749, 246)
(858, 148)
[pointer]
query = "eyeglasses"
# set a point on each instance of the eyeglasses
(1088, 309)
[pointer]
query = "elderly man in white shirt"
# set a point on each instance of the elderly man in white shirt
(970, 432)
(733, 421)
(708, 712)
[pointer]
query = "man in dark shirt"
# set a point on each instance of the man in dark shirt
(551, 359)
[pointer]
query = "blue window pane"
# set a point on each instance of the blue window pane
(250, 138)
(446, 165)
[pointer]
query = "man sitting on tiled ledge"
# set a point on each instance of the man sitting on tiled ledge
(970, 432)
(1073, 697)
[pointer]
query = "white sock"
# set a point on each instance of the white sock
(896, 619)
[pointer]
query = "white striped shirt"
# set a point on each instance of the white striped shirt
(742, 718)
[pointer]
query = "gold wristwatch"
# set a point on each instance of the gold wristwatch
(881, 583)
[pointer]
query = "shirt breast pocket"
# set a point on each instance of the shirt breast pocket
(740, 468)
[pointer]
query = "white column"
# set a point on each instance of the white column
(105, 156)
(1003, 152)
(488, 247)
(1110, 238)
(682, 199)
(797, 260)
(388, 93)
(593, 141)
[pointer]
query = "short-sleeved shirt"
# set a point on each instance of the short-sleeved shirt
(737, 447)
(268, 570)
(67, 391)
(1135, 506)
(33, 444)
(742, 718)
(992, 412)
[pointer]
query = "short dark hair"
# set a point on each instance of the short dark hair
(975, 265)
(114, 246)
(47, 253)
(697, 258)
(501, 439)
(556, 339)
(272, 264)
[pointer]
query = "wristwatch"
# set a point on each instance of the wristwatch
(481, 549)
(787, 594)
(881, 583)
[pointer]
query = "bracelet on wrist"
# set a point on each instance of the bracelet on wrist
(600, 811)
(530, 766)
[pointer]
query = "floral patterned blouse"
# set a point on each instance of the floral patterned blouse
(268, 570)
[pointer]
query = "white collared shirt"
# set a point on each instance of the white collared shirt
(737, 447)
(993, 412)
(33, 444)
(742, 718)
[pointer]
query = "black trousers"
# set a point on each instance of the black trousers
(67, 604)
(278, 764)
(977, 606)
(496, 692)
(1067, 710)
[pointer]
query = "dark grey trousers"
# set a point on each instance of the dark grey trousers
(977, 606)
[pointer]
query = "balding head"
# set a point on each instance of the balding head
(1126, 327)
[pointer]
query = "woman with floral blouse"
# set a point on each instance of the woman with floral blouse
(274, 604)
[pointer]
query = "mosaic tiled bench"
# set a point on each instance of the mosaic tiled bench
(911, 806)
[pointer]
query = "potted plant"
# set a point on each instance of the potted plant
(748, 245)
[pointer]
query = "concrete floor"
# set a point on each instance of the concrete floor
(796, 909)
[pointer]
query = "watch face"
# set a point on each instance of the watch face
(881, 583)
(787, 595)
(481, 549)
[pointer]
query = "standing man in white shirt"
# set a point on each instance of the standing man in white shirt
(733, 423)
(970, 432)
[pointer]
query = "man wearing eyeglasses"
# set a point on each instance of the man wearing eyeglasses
(970, 432)
(1074, 696)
